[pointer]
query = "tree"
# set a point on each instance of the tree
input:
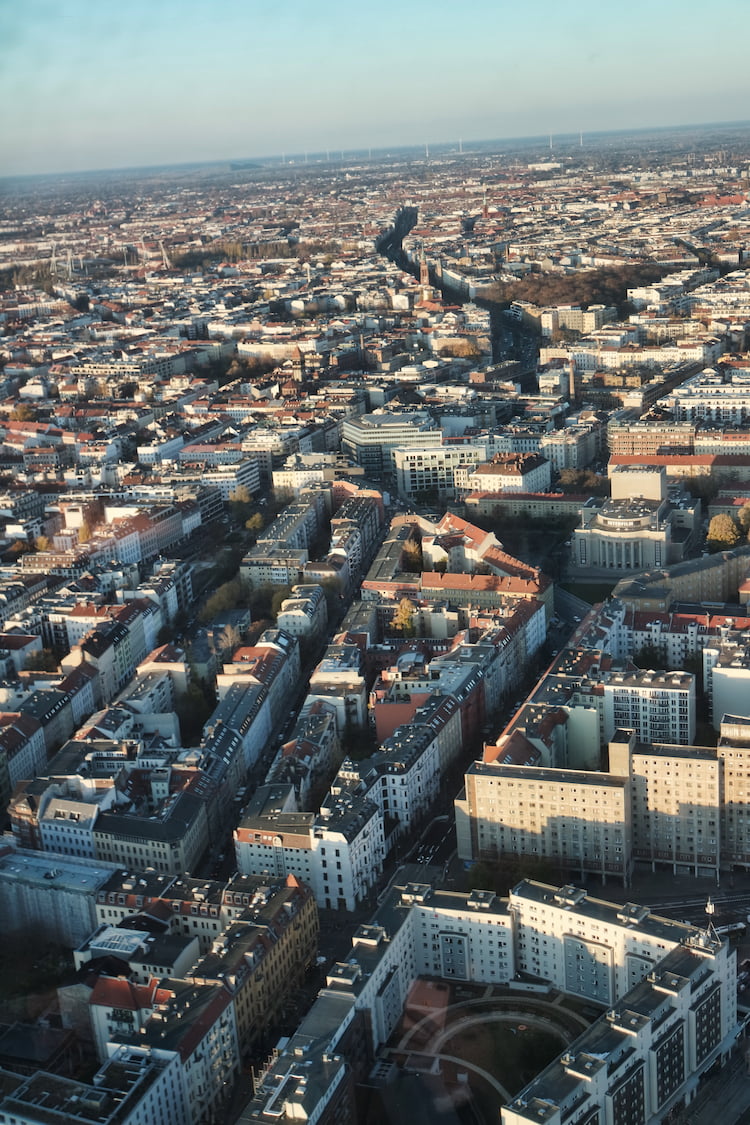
(723, 533)
(403, 619)
(84, 533)
(649, 656)
(280, 596)
(43, 660)
(228, 640)
(255, 523)
(702, 488)
(228, 596)
(744, 519)
(41, 543)
(240, 502)
(24, 412)
(411, 557)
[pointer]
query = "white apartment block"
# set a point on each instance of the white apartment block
(305, 614)
(607, 953)
(712, 396)
(684, 808)
(527, 472)
(658, 706)
(135, 1086)
(339, 852)
(676, 800)
(432, 470)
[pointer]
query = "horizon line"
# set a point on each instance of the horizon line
(373, 153)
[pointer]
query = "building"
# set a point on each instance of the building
(605, 953)
(519, 472)
(370, 439)
(640, 527)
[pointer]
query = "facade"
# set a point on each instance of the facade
(304, 614)
(577, 819)
(339, 852)
(520, 472)
(429, 472)
(50, 894)
(683, 808)
(370, 439)
(135, 1086)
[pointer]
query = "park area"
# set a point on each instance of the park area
(480, 1045)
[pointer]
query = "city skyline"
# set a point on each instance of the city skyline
(98, 88)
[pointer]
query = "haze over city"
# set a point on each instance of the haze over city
(96, 86)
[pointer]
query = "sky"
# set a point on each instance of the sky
(94, 84)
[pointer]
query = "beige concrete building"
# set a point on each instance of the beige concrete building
(686, 808)
(580, 820)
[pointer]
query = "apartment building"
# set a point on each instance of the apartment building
(520, 472)
(136, 1085)
(643, 1056)
(338, 852)
(429, 472)
(370, 439)
(669, 806)
(600, 951)
(580, 820)
(52, 895)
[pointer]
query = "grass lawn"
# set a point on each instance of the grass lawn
(513, 1057)
(592, 592)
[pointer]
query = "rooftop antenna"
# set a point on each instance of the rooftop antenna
(710, 911)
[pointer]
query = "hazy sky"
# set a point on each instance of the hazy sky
(117, 83)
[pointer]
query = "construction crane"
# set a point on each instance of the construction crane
(164, 256)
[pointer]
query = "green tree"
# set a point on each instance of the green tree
(229, 595)
(723, 533)
(279, 596)
(44, 660)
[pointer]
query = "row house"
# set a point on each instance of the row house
(339, 852)
(264, 953)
